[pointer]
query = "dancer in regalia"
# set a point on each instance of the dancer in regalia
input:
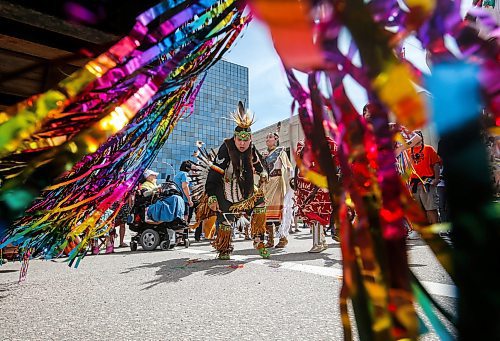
(230, 187)
(279, 169)
(313, 203)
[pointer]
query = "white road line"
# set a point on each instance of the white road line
(432, 287)
(312, 269)
(440, 289)
(198, 252)
(239, 258)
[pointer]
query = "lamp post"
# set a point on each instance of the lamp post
(171, 166)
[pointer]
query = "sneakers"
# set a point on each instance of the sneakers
(336, 238)
(282, 243)
(446, 236)
(318, 248)
(224, 256)
(413, 235)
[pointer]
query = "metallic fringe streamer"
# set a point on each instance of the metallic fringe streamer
(24, 266)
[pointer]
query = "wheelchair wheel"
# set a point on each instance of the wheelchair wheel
(133, 246)
(165, 245)
(150, 239)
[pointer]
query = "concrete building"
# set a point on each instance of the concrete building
(226, 84)
(290, 133)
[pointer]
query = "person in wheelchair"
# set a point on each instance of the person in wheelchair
(157, 210)
(149, 186)
(160, 203)
(145, 193)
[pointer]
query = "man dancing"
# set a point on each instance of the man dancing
(230, 186)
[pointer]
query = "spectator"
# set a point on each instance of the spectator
(425, 178)
(181, 179)
(149, 187)
(121, 219)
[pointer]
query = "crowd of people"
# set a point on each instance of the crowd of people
(261, 196)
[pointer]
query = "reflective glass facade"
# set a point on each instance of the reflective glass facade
(226, 84)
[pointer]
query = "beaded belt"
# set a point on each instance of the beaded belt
(276, 172)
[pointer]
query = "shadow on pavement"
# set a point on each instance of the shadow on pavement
(127, 251)
(5, 288)
(8, 271)
(173, 270)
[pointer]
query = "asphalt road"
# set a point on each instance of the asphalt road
(186, 294)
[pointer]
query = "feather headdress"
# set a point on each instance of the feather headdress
(243, 118)
(276, 133)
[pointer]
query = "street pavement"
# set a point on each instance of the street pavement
(186, 294)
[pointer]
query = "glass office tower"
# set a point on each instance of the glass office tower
(226, 84)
